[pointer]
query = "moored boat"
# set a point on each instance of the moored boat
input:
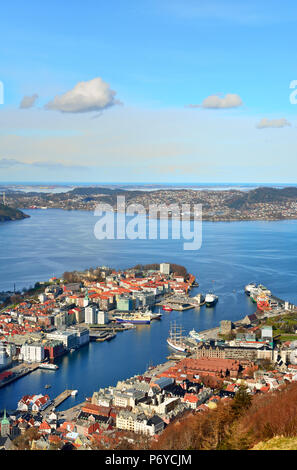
(211, 300)
(167, 308)
(136, 318)
(263, 302)
(195, 335)
(47, 365)
(248, 287)
(176, 339)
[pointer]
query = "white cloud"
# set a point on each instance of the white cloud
(28, 101)
(216, 102)
(275, 123)
(93, 95)
(11, 162)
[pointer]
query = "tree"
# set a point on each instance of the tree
(241, 402)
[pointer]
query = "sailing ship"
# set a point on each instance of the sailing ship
(176, 339)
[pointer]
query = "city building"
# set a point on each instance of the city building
(165, 268)
(33, 352)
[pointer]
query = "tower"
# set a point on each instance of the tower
(5, 427)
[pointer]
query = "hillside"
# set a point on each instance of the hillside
(9, 213)
(278, 443)
(265, 421)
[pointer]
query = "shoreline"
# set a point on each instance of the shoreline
(204, 219)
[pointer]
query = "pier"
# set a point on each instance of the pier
(104, 335)
(57, 401)
(17, 372)
(182, 302)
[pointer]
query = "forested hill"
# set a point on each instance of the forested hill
(9, 213)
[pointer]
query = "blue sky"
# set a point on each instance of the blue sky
(152, 60)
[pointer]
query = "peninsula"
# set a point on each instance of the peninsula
(10, 213)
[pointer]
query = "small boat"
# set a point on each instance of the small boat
(167, 308)
(47, 386)
(74, 393)
(128, 325)
(47, 365)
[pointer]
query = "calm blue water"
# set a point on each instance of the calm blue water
(232, 254)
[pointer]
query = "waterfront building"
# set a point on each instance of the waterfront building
(33, 352)
(53, 349)
(125, 304)
(82, 335)
(34, 402)
(102, 317)
(68, 338)
(91, 314)
(226, 327)
(5, 359)
(144, 299)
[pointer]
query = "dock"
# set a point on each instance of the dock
(104, 335)
(58, 400)
(18, 371)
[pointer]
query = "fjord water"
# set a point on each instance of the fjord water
(232, 254)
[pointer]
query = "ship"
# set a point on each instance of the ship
(248, 287)
(260, 290)
(176, 340)
(47, 365)
(263, 302)
(167, 308)
(134, 318)
(195, 335)
(211, 300)
(128, 325)
(155, 316)
(254, 292)
(74, 393)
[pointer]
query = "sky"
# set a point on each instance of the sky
(148, 91)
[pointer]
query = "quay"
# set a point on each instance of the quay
(17, 372)
(58, 400)
(183, 302)
(104, 335)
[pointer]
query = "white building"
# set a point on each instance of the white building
(139, 423)
(90, 315)
(102, 317)
(165, 268)
(33, 352)
(5, 360)
(82, 335)
(68, 337)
